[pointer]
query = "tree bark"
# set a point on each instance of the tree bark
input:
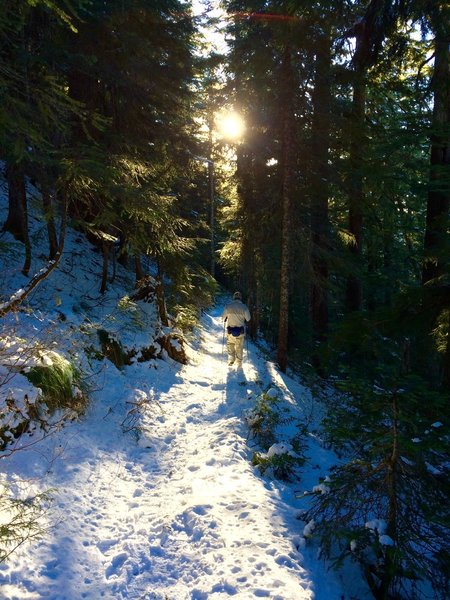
(105, 254)
(388, 567)
(287, 84)
(212, 215)
(17, 220)
(356, 193)
(122, 257)
(162, 309)
(319, 185)
(246, 192)
(51, 228)
(436, 240)
(446, 363)
(114, 263)
(42, 274)
(139, 272)
(438, 203)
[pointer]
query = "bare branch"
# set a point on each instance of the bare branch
(20, 296)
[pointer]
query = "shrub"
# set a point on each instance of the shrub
(186, 317)
(113, 349)
(267, 421)
(45, 382)
(387, 505)
(280, 461)
(141, 404)
(130, 308)
(20, 519)
(263, 418)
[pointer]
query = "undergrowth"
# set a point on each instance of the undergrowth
(280, 435)
(21, 519)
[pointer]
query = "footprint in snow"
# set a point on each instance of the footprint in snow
(217, 386)
(201, 509)
(105, 545)
(260, 593)
(116, 564)
(285, 561)
(224, 588)
(200, 383)
(50, 570)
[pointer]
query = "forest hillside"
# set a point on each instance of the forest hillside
(149, 479)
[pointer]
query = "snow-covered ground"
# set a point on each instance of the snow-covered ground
(154, 494)
(173, 508)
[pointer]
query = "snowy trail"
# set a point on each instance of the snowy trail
(178, 514)
(213, 534)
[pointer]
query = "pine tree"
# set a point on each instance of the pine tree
(33, 100)
(139, 86)
(384, 505)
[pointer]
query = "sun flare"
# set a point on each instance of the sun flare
(230, 124)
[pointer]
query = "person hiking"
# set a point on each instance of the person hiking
(235, 315)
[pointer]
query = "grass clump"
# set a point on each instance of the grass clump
(58, 381)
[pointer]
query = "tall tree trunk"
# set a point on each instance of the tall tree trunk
(249, 280)
(48, 214)
(139, 272)
(387, 265)
(20, 296)
(287, 83)
(319, 185)
(212, 215)
(436, 240)
(438, 203)
(162, 309)
(16, 201)
(388, 572)
(446, 362)
(246, 192)
(160, 298)
(105, 253)
(17, 220)
(122, 255)
(114, 263)
(356, 192)
(370, 294)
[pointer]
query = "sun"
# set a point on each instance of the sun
(230, 124)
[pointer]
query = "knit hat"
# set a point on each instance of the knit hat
(237, 296)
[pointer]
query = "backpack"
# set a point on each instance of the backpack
(235, 331)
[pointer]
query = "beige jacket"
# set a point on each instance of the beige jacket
(236, 314)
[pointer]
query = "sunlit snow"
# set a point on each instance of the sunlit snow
(161, 503)
(173, 511)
